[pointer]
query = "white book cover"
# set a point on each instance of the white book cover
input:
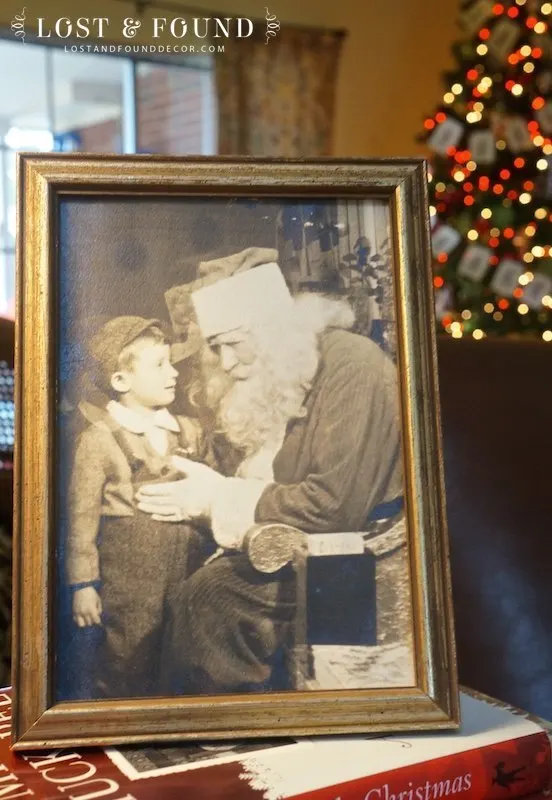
(318, 763)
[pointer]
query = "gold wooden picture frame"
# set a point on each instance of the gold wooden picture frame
(265, 555)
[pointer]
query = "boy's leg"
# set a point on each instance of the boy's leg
(134, 557)
(190, 547)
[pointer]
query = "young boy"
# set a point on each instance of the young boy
(123, 566)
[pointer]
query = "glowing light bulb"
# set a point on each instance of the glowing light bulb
(495, 232)
(542, 164)
(486, 213)
(432, 210)
(488, 308)
(537, 251)
(547, 149)
(517, 89)
(459, 176)
(547, 336)
(547, 301)
(500, 144)
(528, 257)
(498, 316)
(529, 67)
(471, 165)
(478, 106)
(457, 88)
(440, 187)
(540, 27)
(523, 279)
(482, 49)
(523, 308)
(449, 97)
(478, 334)
(473, 235)
(538, 141)
(540, 213)
(525, 198)
(525, 51)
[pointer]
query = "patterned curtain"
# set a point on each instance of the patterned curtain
(277, 98)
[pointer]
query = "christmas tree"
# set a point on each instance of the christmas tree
(490, 174)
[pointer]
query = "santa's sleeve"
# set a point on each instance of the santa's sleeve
(355, 455)
(233, 510)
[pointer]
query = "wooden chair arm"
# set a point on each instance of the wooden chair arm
(272, 546)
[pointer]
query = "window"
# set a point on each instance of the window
(54, 100)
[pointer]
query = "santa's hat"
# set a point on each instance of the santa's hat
(234, 292)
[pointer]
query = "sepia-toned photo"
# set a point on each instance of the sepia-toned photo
(233, 519)
(157, 761)
(230, 450)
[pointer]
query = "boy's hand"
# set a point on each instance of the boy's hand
(87, 607)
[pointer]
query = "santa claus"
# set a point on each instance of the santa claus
(313, 409)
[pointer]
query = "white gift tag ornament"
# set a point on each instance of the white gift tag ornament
(539, 287)
(473, 17)
(446, 135)
(474, 262)
(444, 239)
(544, 81)
(544, 116)
(443, 301)
(482, 146)
(503, 38)
(517, 135)
(506, 277)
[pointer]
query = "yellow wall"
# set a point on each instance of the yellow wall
(391, 62)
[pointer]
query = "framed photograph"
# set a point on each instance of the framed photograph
(230, 514)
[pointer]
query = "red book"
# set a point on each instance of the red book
(498, 753)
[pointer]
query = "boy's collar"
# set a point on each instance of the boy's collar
(135, 423)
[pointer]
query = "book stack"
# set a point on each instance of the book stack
(499, 752)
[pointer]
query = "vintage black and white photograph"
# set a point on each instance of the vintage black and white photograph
(230, 463)
(233, 520)
(157, 761)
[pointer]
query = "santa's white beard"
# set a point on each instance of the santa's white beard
(255, 411)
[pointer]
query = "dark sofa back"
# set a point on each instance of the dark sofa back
(496, 399)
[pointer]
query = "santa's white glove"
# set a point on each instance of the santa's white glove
(187, 499)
